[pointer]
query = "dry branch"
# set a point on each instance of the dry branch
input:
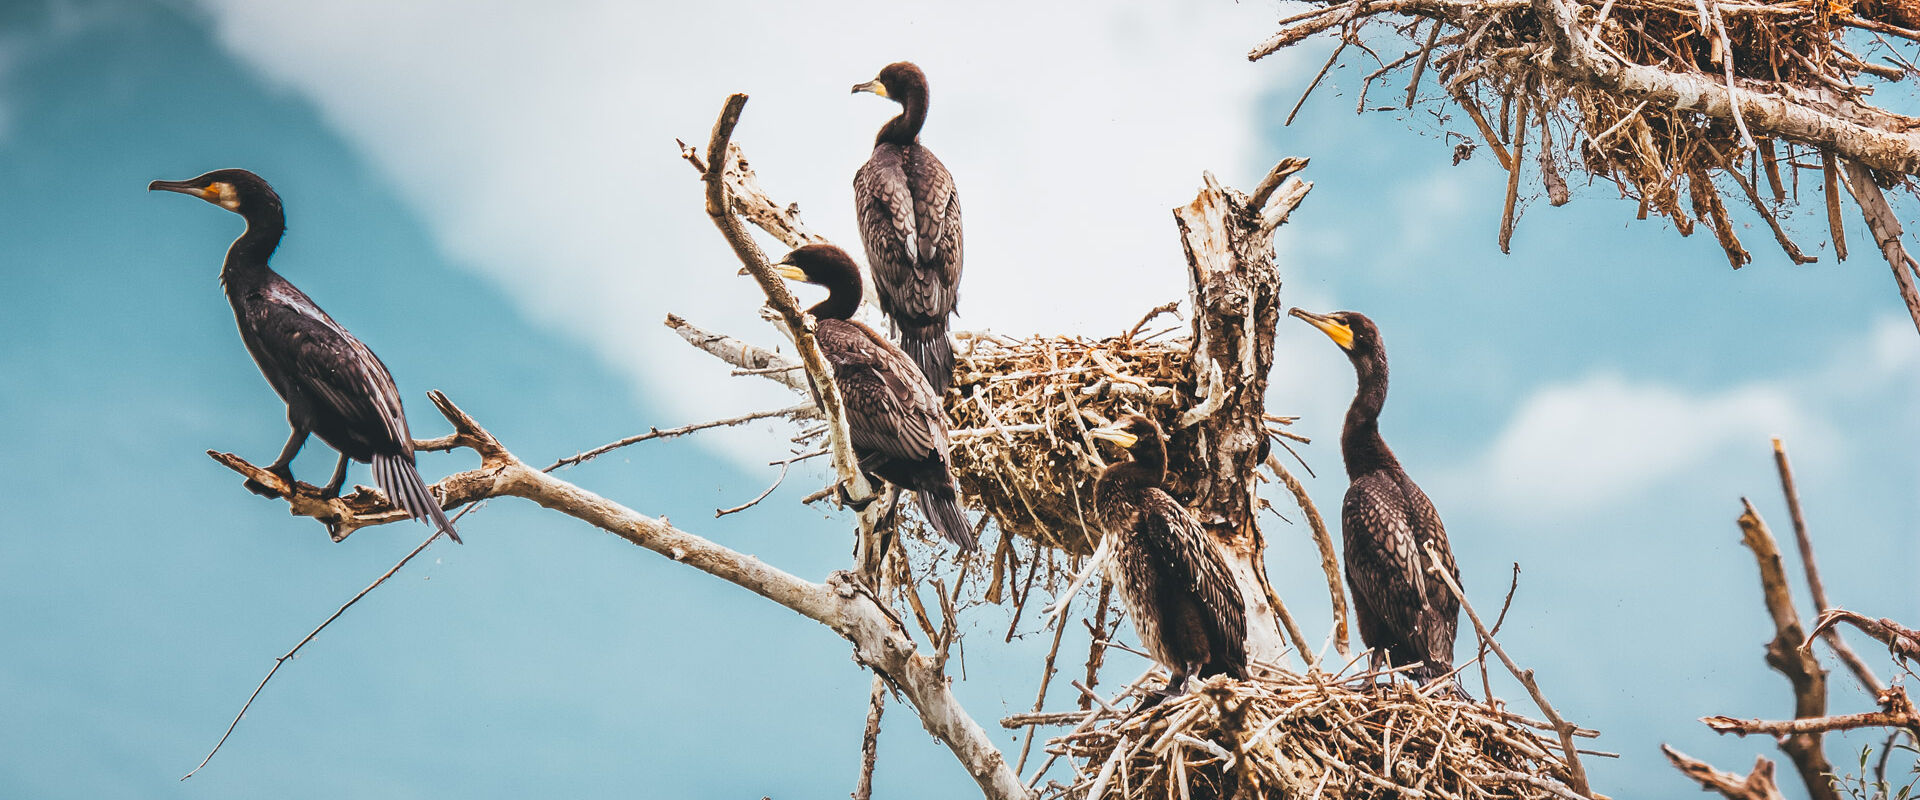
(1757, 785)
(1666, 93)
(1576, 774)
(843, 603)
(1784, 654)
(1816, 588)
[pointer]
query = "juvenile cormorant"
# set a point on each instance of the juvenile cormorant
(1182, 597)
(1387, 521)
(910, 221)
(899, 432)
(333, 385)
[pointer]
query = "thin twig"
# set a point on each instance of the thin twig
(1815, 587)
(791, 412)
(311, 635)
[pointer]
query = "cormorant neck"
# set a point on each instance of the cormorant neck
(905, 128)
(843, 299)
(250, 252)
(1360, 443)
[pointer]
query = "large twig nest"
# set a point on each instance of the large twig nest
(1298, 736)
(1024, 406)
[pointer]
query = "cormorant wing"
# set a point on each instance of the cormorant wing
(1444, 621)
(318, 360)
(936, 212)
(909, 219)
(890, 408)
(1196, 564)
(1384, 563)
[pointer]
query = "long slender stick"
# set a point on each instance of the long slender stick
(287, 656)
(1576, 772)
(1815, 587)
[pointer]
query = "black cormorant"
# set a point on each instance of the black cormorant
(910, 221)
(899, 432)
(1387, 522)
(333, 385)
(1178, 588)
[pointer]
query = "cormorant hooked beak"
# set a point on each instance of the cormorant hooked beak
(1117, 435)
(1338, 331)
(786, 269)
(874, 86)
(219, 193)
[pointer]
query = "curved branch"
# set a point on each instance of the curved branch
(800, 326)
(842, 603)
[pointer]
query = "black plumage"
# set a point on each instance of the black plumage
(910, 222)
(899, 431)
(1175, 583)
(333, 385)
(1387, 522)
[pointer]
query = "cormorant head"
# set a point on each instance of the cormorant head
(897, 82)
(235, 190)
(1138, 435)
(829, 266)
(1351, 330)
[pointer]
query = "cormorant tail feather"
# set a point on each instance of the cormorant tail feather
(400, 479)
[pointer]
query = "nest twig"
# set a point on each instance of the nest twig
(1024, 406)
(1495, 62)
(1290, 735)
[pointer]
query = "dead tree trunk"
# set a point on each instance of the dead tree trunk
(1235, 295)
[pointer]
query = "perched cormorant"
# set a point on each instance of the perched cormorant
(1387, 522)
(899, 432)
(910, 221)
(333, 385)
(1183, 598)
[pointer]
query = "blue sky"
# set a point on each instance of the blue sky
(492, 200)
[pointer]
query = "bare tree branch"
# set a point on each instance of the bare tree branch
(1577, 774)
(843, 603)
(1815, 587)
(1896, 711)
(1886, 233)
(1329, 558)
(1757, 785)
(1784, 654)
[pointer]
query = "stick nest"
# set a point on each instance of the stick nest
(1022, 411)
(1286, 735)
(1492, 59)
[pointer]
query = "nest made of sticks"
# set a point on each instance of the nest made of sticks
(1023, 408)
(1290, 735)
(1492, 60)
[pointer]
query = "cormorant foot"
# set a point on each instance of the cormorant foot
(848, 501)
(285, 473)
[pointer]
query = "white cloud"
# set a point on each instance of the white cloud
(1605, 439)
(537, 140)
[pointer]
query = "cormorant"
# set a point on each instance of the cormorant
(333, 385)
(910, 221)
(899, 431)
(1183, 598)
(1387, 522)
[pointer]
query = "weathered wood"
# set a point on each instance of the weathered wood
(1234, 289)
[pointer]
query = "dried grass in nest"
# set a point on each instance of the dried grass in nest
(1296, 736)
(1024, 406)
(1492, 61)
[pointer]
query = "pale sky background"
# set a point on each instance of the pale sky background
(490, 195)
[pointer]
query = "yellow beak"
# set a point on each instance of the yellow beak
(874, 86)
(1118, 436)
(1334, 329)
(789, 271)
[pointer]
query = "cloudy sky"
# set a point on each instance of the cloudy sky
(491, 196)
